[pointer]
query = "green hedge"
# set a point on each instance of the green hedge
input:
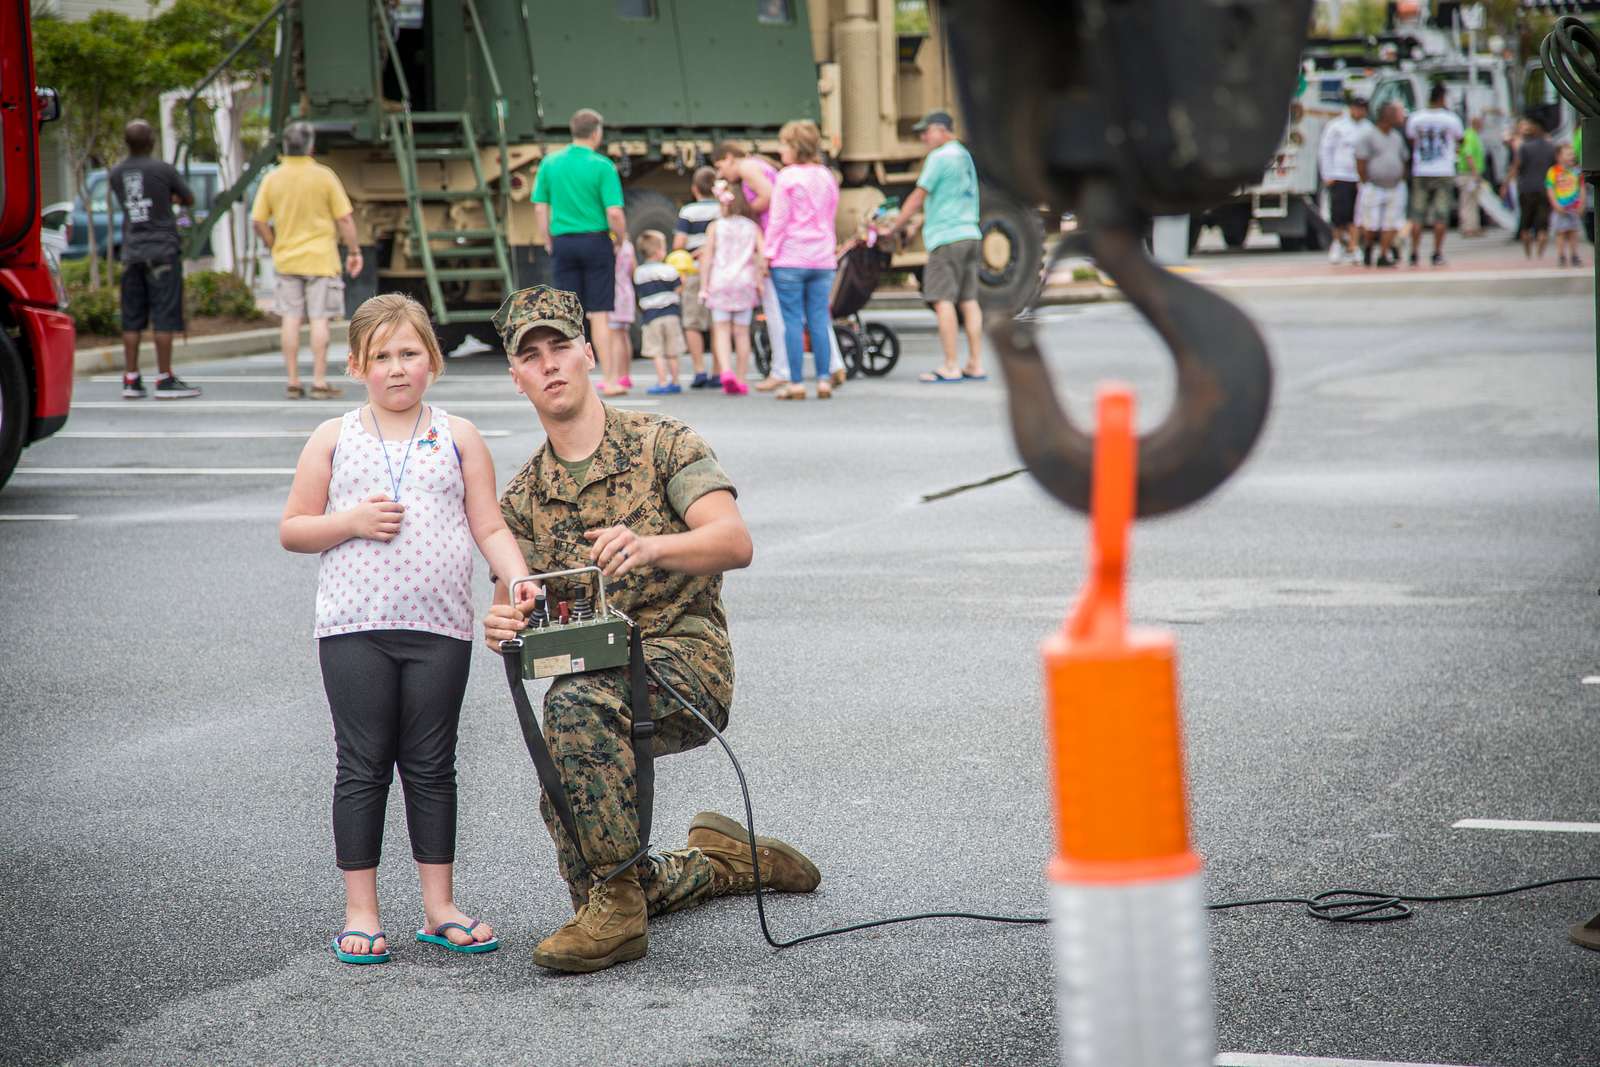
(206, 293)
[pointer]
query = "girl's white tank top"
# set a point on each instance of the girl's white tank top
(421, 580)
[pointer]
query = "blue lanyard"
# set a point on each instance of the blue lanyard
(395, 483)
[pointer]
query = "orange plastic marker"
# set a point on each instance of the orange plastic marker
(1127, 900)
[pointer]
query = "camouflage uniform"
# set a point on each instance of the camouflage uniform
(645, 474)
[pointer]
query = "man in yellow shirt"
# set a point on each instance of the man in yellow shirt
(299, 209)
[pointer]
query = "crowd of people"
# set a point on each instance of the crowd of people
(1390, 179)
(758, 234)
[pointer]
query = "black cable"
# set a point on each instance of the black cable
(1333, 905)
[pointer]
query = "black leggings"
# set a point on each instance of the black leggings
(396, 699)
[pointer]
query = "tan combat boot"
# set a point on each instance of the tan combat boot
(727, 845)
(608, 930)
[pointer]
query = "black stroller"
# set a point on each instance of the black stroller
(868, 348)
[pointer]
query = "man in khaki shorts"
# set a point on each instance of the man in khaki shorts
(301, 213)
(948, 186)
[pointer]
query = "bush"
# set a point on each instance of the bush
(206, 293)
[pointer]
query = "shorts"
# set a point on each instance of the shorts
(152, 294)
(1566, 222)
(1378, 208)
(586, 264)
(696, 316)
(952, 272)
(1535, 211)
(664, 337)
(738, 318)
(309, 296)
(1430, 200)
(1342, 203)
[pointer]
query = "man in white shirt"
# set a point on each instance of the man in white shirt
(1336, 155)
(1435, 133)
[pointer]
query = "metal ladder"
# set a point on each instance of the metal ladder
(487, 242)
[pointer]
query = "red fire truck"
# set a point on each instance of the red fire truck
(36, 335)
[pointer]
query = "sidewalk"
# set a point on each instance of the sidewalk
(197, 349)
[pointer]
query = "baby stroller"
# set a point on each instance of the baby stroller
(870, 348)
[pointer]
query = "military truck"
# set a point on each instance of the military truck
(436, 116)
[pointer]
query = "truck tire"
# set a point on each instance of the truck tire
(14, 407)
(647, 209)
(1235, 226)
(1011, 263)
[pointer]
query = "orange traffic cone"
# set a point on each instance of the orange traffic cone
(1127, 901)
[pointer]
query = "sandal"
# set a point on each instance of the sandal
(824, 390)
(791, 392)
(360, 957)
(436, 936)
(295, 392)
(326, 392)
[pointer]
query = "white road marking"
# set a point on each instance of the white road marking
(37, 518)
(210, 435)
(1250, 1059)
(1381, 278)
(1593, 679)
(211, 471)
(310, 405)
(1528, 824)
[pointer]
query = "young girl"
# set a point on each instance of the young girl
(1564, 186)
(392, 495)
(622, 316)
(733, 267)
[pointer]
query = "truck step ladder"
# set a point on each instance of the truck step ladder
(450, 137)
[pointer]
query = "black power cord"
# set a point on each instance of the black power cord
(1333, 905)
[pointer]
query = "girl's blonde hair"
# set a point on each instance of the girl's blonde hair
(377, 318)
(803, 139)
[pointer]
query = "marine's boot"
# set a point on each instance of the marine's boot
(609, 929)
(726, 844)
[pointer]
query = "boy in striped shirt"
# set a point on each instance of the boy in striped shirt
(655, 285)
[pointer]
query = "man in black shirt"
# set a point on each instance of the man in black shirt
(1534, 156)
(152, 263)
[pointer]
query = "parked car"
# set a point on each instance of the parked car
(203, 179)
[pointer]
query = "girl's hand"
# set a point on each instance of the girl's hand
(376, 518)
(502, 623)
(618, 550)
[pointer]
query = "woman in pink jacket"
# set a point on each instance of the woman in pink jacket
(800, 250)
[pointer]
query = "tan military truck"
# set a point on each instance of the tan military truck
(436, 115)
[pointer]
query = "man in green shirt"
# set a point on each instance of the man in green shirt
(577, 200)
(1470, 162)
(948, 189)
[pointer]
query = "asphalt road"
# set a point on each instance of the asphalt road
(1384, 622)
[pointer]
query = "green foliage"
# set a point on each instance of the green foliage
(216, 292)
(1362, 18)
(206, 294)
(911, 16)
(1085, 274)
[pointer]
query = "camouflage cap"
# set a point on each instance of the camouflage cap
(538, 305)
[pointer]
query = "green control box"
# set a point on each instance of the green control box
(573, 637)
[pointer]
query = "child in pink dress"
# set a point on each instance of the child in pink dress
(733, 267)
(622, 314)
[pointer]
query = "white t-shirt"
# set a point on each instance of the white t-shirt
(1434, 134)
(1337, 152)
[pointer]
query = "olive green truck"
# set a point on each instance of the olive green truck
(436, 115)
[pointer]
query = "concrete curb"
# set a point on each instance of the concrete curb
(197, 349)
(1054, 296)
(1392, 285)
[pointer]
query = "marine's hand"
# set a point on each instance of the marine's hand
(377, 518)
(618, 550)
(502, 623)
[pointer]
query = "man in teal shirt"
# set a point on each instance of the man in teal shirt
(947, 193)
(577, 200)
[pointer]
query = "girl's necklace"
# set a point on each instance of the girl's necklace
(395, 483)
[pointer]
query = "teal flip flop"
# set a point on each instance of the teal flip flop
(360, 957)
(436, 937)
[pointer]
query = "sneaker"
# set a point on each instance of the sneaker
(702, 381)
(625, 381)
(665, 390)
(133, 387)
(1335, 253)
(1386, 261)
(1576, 262)
(173, 387)
(1413, 257)
(1438, 259)
(1366, 256)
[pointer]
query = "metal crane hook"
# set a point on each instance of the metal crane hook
(1223, 388)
